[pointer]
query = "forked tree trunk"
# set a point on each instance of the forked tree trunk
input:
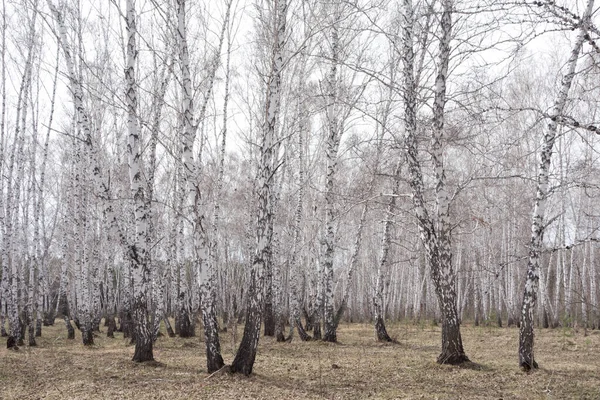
(526, 334)
(435, 232)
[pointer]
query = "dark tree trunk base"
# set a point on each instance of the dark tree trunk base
(309, 320)
(112, 325)
(11, 343)
(143, 352)
(185, 327)
(48, 319)
(280, 337)
(528, 366)
(317, 331)
(305, 337)
(330, 336)
(31, 330)
(87, 337)
(214, 360)
(382, 335)
(214, 363)
(70, 329)
(269, 320)
(452, 348)
(246, 354)
(168, 327)
(452, 359)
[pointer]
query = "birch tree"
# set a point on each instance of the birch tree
(246, 354)
(526, 335)
(138, 252)
(193, 200)
(434, 227)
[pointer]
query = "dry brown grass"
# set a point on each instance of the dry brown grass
(356, 368)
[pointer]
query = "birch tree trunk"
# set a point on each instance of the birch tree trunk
(526, 335)
(378, 298)
(193, 197)
(295, 267)
(332, 143)
(137, 252)
(12, 271)
(435, 231)
(246, 354)
(4, 284)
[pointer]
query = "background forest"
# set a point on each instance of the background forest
(291, 164)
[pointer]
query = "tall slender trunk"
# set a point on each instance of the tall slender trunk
(16, 171)
(92, 169)
(246, 354)
(203, 267)
(4, 283)
(378, 306)
(137, 252)
(295, 269)
(526, 334)
(334, 130)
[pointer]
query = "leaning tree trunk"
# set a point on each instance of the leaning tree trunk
(526, 335)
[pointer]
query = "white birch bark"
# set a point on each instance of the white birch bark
(194, 200)
(526, 334)
(16, 173)
(435, 231)
(246, 354)
(4, 284)
(334, 130)
(137, 252)
(382, 266)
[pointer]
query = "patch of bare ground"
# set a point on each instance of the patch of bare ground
(356, 368)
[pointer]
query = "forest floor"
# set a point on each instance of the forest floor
(356, 368)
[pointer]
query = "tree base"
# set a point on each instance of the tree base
(87, 337)
(112, 326)
(452, 359)
(280, 337)
(330, 337)
(528, 365)
(214, 363)
(11, 343)
(143, 352)
(382, 335)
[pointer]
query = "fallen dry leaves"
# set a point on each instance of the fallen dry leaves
(356, 368)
